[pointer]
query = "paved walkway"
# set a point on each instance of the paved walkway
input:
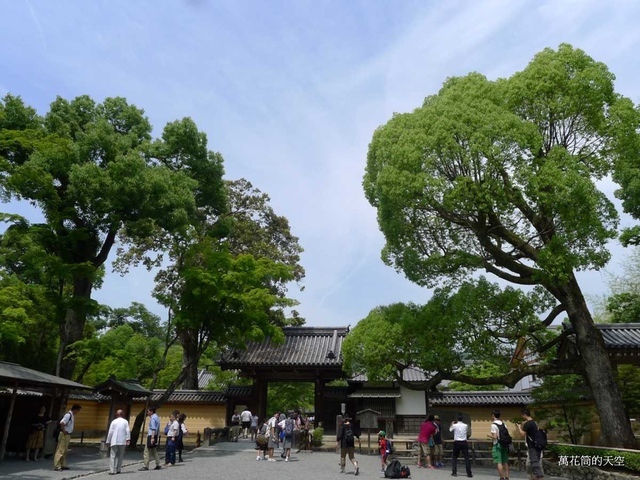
(225, 460)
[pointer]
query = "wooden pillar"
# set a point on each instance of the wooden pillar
(319, 402)
(260, 388)
(7, 422)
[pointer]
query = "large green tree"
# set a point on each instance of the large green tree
(502, 176)
(248, 236)
(465, 334)
(97, 178)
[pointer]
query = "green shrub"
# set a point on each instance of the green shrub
(318, 433)
(631, 459)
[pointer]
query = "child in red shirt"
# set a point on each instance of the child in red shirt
(382, 448)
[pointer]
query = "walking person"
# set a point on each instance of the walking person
(182, 432)
(254, 427)
(64, 437)
(274, 441)
(345, 439)
(288, 426)
(460, 445)
(245, 418)
(529, 429)
(118, 438)
(35, 441)
(499, 453)
(235, 426)
(151, 445)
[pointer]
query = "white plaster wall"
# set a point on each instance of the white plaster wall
(411, 402)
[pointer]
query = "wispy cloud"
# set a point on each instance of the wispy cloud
(291, 92)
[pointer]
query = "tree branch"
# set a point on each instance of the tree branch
(106, 246)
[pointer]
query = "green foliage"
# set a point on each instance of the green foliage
(95, 174)
(478, 321)
(27, 332)
(318, 434)
(283, 397)
(560, 402)
(488, 173)
(478, 370)
(119, 351)
(631, 459)
(629, 383)
(223, 379)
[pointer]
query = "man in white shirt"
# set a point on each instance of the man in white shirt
(245, 417)
(460, 434)
(118, 438)
(64, 437)
(172, 440)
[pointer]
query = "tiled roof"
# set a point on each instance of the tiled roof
(204, 377)
(123, 387)
(189, 396)
(12, 374)
(376, 393)
(302, 347)
(20, 392)
(409, 374)
(479, 398)
(239, 391)
(620, 335)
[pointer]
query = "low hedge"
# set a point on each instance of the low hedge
(631, 459)
(318, 433)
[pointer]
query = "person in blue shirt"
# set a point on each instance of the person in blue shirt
(151, 445)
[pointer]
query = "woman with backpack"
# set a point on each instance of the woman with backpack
(288, 425)
(383, 449)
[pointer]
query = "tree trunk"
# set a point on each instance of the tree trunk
(190, 359)
(72, 329)
(616, 429)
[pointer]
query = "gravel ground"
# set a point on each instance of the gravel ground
(226, 460)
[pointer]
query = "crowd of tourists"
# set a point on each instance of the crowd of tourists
(282, 433)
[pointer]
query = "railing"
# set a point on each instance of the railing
(479, 451)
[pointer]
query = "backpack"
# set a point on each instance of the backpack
(166, 428)
(539, 439)
(504, 437)
(389, 448)
(57, 430)
(393, 470)
(288, 427)
(348, 433)
(405, 472)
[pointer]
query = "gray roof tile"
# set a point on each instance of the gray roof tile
(303, 347)
(620, 335)
(479, 398)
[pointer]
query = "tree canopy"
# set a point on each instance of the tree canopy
(96, 175)
(502, 176)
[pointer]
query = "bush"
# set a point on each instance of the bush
(631, 459)
(318, 433)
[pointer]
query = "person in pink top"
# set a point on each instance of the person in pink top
(427, 429)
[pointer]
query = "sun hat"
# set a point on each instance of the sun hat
(382, 433)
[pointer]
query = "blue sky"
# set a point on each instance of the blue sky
(290, 92)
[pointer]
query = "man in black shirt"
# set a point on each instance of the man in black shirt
(347, 431)
(529, 430)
